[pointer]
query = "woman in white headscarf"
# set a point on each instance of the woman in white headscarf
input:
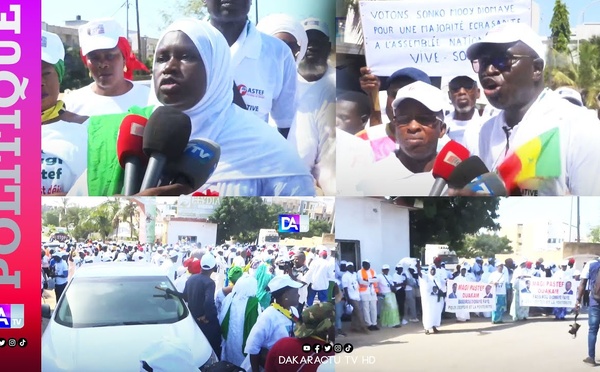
(431, 301)
(288, 30)
(237, 317)
(192, 73)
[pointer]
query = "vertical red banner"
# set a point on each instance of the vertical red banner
(20, 200)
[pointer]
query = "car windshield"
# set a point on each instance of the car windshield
(271, 239)
(95, 302)
(449, 259)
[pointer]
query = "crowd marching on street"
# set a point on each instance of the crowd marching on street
(373, 300)
(246, 300)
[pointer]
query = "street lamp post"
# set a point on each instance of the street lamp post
(583, 20)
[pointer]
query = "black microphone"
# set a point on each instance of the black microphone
(165, 137)
(466, 171)
(195, 166)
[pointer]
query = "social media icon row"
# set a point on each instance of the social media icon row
(326, 348)
(12, 342)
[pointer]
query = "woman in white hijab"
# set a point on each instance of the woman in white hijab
(432, 304)
(288, 30)
(192, 73)
(237, 316)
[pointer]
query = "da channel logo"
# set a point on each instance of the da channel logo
(12, 316)
(293, 223)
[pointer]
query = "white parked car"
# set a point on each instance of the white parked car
(110, 313)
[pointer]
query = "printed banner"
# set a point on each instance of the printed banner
(432, 36)
(548, 292)
(470, 296)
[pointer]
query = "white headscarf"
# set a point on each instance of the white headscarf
(245, 287)
(275, 23)
(249, 148)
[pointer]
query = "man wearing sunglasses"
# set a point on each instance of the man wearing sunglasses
(417, 125)
(510, 63)
(463, 93)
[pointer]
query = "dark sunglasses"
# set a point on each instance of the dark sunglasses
(500, 62)
(456, 86)
(428, 120)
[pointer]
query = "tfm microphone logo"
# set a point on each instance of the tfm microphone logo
(293, 223)
(452, 159)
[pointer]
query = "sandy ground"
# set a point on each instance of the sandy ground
(540, 343)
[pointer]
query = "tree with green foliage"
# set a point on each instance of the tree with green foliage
(486, 245)
(241, 218)
(595, 235)
(559, 25)
(51, 218)
(186, 8)
(450, 220)
(76, 74)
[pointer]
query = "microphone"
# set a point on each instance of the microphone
(195, 166)
(166, 136)
(451, 155)
(466, 171)
(488, 184)
(130, 153)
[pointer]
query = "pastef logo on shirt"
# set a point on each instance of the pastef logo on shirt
(251, 92)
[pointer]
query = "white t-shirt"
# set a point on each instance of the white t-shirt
(390, 177)
(85, 102)
(265, 74)
(313, 132)
(350, 282)
(270, 327)
(320, 273)
(61, 268)
(64, 155)
(384, 283)
(579, 139)
(456, 129)
(352, 153)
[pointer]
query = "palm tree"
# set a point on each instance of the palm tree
(583, 76)
(128, 213)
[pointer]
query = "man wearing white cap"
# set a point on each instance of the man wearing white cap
(169, 265)
(352, 297)
(199, 293)
(463, 93)
(264, 67)
(418, 124)
(562, 274)
(510, 63)
(368, 288)
(108, 56)
(313, 132)
(64, 134)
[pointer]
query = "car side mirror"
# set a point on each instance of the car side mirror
(46, 312)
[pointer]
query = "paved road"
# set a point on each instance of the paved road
(538, 344)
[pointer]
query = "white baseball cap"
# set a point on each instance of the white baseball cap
(316, 24)
(99, 34)
(282, 281)
(430, 96)
(385, 267)
(53, 49)
(167, 355)
(208, 261)
(570, 94)
(507, 33)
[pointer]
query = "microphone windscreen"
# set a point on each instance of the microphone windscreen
(451, 155)
(466, 171)
(488, 184)
(167, 132)
(131, 138)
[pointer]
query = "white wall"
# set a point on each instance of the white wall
(205, 232)
(381, 228)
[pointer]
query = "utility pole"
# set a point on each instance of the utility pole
(139, 37)
(127, 20)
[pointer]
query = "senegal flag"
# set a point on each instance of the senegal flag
(537, 159)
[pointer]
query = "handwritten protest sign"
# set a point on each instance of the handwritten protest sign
(471, 296)
(548, 292)
(432, 36)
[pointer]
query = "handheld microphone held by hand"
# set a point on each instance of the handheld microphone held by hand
(130, 153)
(466, 171)
(488, 184)
(197, 163)
(166, 136)
(451, 155)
